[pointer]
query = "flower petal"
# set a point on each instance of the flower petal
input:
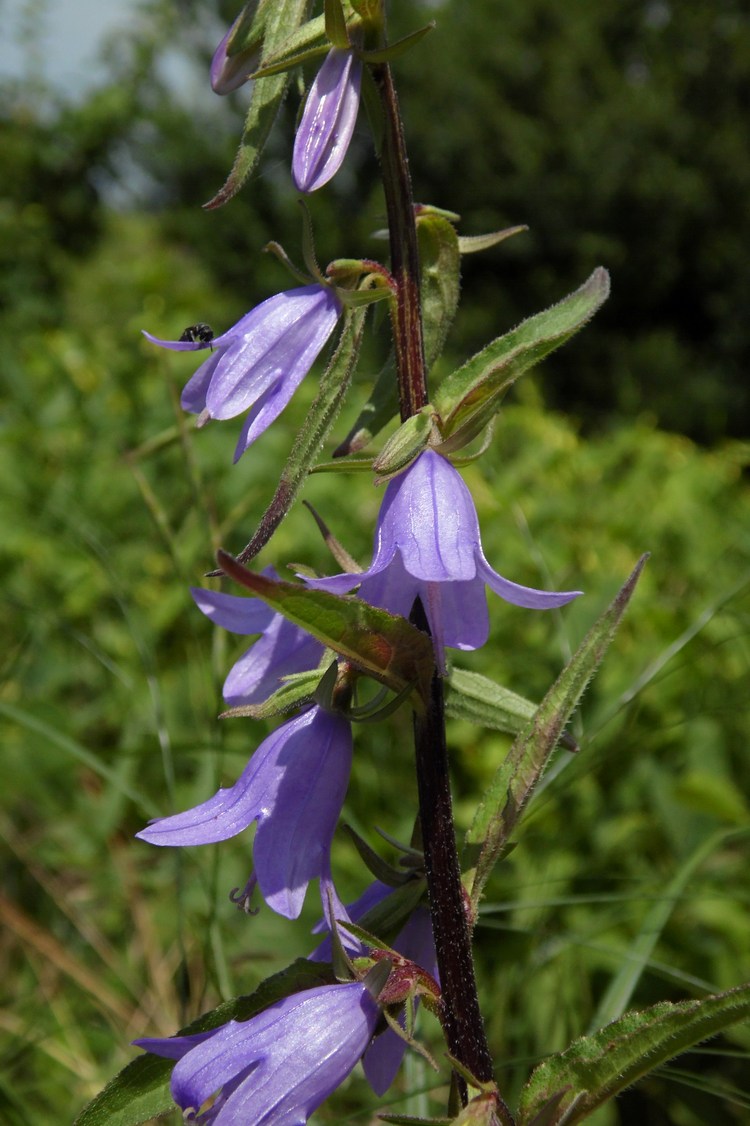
(294, 786)
(281, 1064)
(233, 611)
(523, 595)
(328, 121)
(428, 515)
(280, 339)
(283, 650)
(293, 840)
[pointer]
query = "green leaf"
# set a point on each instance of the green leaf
(380, 644)
(335, 23)
(440, 279)
(595, 1068)
(635, 959)
(334, 385)
(471, 396)
(141, 1090)
(307, 42)
(266, 97)
(377, 412)
(476, 698)
(248, 34)
(398, 47)
(515, 781)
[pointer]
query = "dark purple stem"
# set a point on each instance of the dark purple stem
(462, 1018)
(407, 317)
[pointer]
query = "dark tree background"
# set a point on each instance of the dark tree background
(617, 132)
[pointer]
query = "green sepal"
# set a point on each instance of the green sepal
(251, 27)
(297, 689)
(408, 442)
(595, 1068)
(398, 47)
(321, 416)
(265, 100)
(440, 277)
(335, 23)
(374, 863)
(515, 780)
(412, 1120)
(471, 244)
(382, 645)
(468, 398)
(141, 1090)
(439, 265)
(307, 42)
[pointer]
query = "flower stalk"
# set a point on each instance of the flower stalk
(462, 1016)
(402, 229)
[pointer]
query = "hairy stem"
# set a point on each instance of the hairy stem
(462, 1017)
(407, 316)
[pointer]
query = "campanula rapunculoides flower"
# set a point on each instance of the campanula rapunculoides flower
(281, 650)
(328, 120)
(294, 787)
(427, 544)
(229, 72)
(278, 1067)
(260, 362)
(414, 941)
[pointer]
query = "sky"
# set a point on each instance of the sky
(67, 37)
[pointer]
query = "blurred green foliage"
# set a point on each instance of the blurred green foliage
(614, 132)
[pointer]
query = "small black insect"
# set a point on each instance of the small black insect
(198, 334)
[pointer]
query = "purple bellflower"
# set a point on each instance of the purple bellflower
(427, 544)
(282, 648)
(260, 362)
(276, 1068)
(294, 787)
(328, 120)
(415, 942)
(229, 72)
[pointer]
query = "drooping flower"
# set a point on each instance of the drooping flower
(414, 941)
(294, 787)
(278, 1067)
(427, 545)
(328, 120)
(229, 72)
(261, 360)
(282, 648)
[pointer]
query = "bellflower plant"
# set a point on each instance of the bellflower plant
(328, 120)
(281, 650)
(260, 362)
(427, 546)
(423, 591)
(277, 1067)
(293, 786)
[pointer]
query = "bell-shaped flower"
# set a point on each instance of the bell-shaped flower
(415, 942)
(281, 650)
(229, 72)
(294, 787)
(427, 545)
(259, 362)
(279, 1066)
(328, 120)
